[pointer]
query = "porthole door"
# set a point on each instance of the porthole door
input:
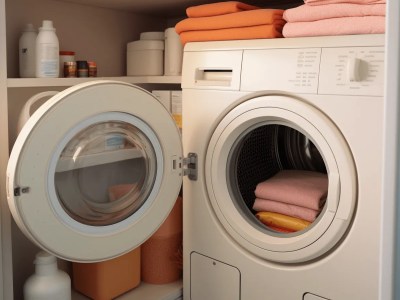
(267, 138)
(95, 171)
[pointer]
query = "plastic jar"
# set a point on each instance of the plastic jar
(92, 69)
(65, 56)
(82, 68)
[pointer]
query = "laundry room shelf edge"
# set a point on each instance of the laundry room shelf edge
(43, 82)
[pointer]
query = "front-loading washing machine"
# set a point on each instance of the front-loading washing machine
(255, 109)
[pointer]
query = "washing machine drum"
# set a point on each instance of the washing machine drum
(91, 175)
(267, 159)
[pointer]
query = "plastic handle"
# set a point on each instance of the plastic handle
(26, 109)
(213, 77)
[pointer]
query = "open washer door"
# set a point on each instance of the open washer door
(95, 171)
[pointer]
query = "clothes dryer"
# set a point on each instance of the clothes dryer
(254, 108)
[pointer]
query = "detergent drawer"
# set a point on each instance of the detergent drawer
(212, 70)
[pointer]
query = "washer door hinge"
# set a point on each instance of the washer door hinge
(190, 166)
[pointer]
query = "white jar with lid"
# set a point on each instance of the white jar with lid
(145, 58)
(48, 282)
(47, 51)
(27, 49)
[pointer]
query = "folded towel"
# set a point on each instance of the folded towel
(336, 26)
(307, 13)
(244, 33)
(282, 221)
(279, 229)
(303, 188)
(118, 191)
(216, 9)
(323, 2)
(285, 209)
(234, 20)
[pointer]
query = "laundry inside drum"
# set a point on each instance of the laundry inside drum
(277, 179)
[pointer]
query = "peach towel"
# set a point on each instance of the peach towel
(323, 2)
(118, 191)
(303, 188)
(282, 221)
(245, 33)
(234, 20)
(216, 9)
(336, 26)
(286, 209)
(307, 13)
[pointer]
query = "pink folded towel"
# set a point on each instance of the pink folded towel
(285, 209)
(303, 188)
(307, 13)
(323, 2)
(336, 26)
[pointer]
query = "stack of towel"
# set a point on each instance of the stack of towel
(229, 20)
(291, 200)
(335, 17)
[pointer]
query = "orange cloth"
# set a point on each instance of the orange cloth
(234, 20)
(216, 9)
(281, 230)
(282, 221)
(244, 33)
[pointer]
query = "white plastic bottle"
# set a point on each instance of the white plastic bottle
(27, 49)
(47, 51)
(48, 282)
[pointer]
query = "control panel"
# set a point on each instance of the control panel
(336, 71)
(352, 71)
(293, 70)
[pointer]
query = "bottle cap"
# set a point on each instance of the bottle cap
(47, 24)
(82, 64)
(29, 27)
(45, 258)
(67, 53)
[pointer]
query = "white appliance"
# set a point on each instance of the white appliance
(252, 108)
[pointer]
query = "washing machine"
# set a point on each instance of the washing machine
(254, 109)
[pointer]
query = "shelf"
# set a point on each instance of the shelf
(44, 82)
(170, 291)
(66, 163)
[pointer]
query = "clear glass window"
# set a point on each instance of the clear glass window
(105, 173)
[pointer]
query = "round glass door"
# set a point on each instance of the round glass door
(93, 183)
(105, 173)
(281, 179)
